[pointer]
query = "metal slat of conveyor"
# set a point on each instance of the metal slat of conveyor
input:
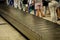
(7, 32)
(33, 27)
(30, 34)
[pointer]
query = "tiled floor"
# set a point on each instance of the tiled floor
(8, 33)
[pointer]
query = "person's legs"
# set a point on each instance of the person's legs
(15, 3)
(40, 13)
(44, 10)
(23, 7)
(7, 2)
(29, 8)
(34, 11)
(37, 12)
(19, 6)
(53, 14)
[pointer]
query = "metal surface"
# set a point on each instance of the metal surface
(33, 27)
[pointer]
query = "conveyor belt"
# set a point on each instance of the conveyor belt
(33, 27)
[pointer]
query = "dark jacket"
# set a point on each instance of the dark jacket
(25, 1)
(45, 3)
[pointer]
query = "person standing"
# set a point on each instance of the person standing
(45, 6)
(15, 3)
(11, 2)
(7, 2)
(58, 10)
(24, 4)
(18, 4)
(52, 7)
(29, 5)
(38, 8)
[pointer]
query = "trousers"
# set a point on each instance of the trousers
(53, 14)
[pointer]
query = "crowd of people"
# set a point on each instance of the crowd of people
(40, 7)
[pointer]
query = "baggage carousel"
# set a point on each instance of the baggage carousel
(33, 27)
